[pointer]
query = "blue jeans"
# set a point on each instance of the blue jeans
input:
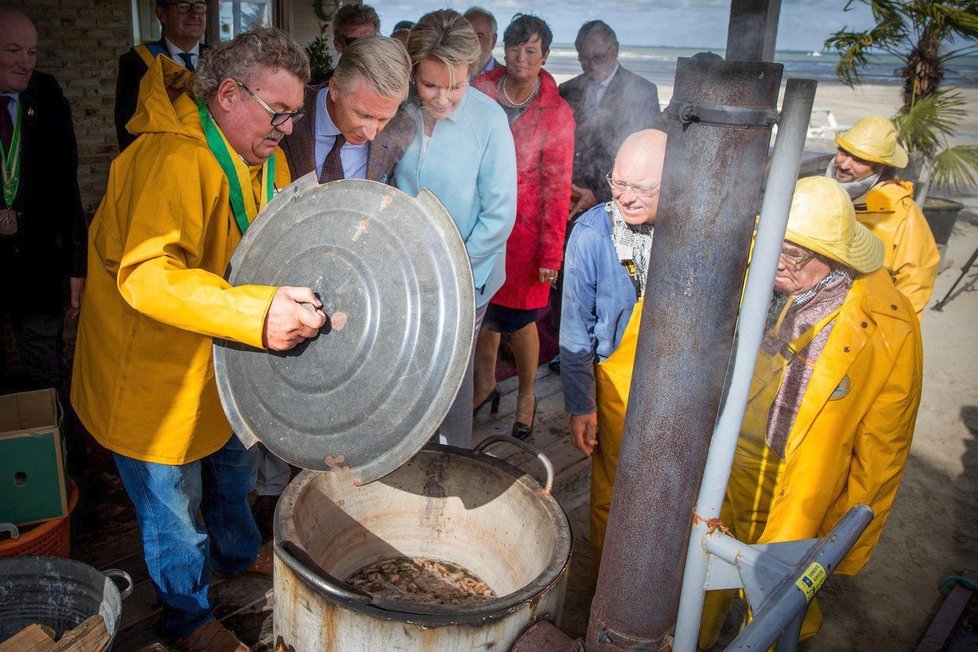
(181, 550)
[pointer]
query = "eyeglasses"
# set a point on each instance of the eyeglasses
(595, 58)
(795, 258)
(278, 117)
(642, 192)
(186, 7)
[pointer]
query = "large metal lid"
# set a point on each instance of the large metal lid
(393, 275)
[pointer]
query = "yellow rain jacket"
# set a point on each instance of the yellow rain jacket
(848, 444)
(890, 213)
(851, 437)
(161, 240)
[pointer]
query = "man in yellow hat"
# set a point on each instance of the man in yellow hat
(832, 405)
(865, 164)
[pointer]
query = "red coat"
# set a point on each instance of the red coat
(544, 137)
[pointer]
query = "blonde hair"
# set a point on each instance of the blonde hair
(446, 36)
(242, 56)
(381, 61)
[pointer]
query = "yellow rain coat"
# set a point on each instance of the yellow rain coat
(849, 441)
(161, 240)
(890, 213)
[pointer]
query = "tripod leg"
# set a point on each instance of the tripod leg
(939, 306)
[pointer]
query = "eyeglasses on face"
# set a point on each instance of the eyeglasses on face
(187, 7)
(795, 258)
(642, 192)
(278, 117)
(594, 58)
(347, 41)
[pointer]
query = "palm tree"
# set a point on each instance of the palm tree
(925, 35)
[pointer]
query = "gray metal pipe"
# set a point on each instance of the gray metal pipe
(796, 110)
(719, 129)
(789, 601)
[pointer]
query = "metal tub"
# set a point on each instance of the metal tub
(445, 503)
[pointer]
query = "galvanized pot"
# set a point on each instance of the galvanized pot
(445, 503)
(59, 593)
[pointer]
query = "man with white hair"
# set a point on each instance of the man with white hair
(865, 163)
(605, 268)
(42, 224)
(484, 24)
(835, 392)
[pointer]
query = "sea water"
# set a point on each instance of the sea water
(658, 64)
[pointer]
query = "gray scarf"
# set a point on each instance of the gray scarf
(856, 189)
(632, 242)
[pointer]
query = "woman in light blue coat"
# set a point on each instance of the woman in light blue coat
(464, 154)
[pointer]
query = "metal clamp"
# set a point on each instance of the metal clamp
(317, 577)
(722, 115)
(114, 573)
(11, 529)
(549, 484)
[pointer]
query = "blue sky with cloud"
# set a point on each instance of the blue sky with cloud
(804, 24)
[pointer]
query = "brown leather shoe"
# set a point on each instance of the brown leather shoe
(262, 566)
(213, 637)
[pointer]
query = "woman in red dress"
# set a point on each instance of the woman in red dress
(543, 130)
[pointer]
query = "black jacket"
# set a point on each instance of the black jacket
(131, 71)
(51, 240)
(630, 104)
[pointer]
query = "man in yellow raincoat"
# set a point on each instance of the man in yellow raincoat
(605, 268)
(865, 164)
(177, 202)
(834, 398)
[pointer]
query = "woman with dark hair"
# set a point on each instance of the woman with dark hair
(543, 130)
(464, 154)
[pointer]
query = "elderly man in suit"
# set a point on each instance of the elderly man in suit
(610, 103)
(353, 128)
(484, 24)
(183, 27)
(42, 225)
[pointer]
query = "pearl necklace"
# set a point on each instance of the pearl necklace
(514, 103)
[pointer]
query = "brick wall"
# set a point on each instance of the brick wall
(79, 43)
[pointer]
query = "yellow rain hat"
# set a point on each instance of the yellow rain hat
(823, 221)
(874, 139)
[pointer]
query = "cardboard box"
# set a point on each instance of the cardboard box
(32, 458)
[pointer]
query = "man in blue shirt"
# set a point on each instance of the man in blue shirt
(605, 269)
(353, 128)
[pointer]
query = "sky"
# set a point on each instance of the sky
(804, 24)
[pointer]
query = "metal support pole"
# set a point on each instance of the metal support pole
(939, 306)
(789, 601)
(795, 113)
(719, 129)
(752, 30)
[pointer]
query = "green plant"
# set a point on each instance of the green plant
(320, 60)
(926, 36)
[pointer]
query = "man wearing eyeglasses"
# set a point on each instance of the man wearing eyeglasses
(605, 268)
(355, 128)
(609, 102)
(834, 396)
(178, 201)
(183, 26)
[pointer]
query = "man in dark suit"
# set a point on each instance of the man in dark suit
(353, 128)
(183, 27)
(484, 24)
(610, 103)
(42, 225)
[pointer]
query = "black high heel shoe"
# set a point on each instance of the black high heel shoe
(520, 429)
(492, 399)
